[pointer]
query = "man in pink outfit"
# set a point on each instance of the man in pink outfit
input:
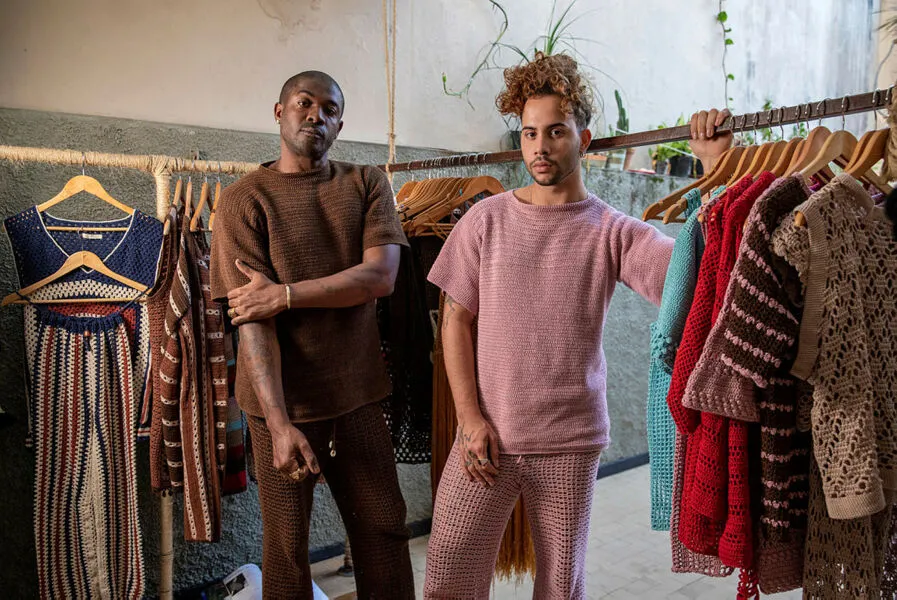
(536, 267)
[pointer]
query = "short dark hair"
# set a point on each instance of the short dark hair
(293, 82)
(556, 75)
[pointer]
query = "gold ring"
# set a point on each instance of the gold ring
(232, 312)
(297, 474)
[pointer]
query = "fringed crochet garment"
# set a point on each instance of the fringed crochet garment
(86, 370)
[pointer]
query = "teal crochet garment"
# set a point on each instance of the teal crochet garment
(666, 333)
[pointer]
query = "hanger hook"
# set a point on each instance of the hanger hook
(845, 106)
(83, 163)
(822, 110)
(782, 121)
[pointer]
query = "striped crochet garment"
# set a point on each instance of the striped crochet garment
(157, 306)
(678, 291)
(134, 253)
(189, 425)
(86, 374)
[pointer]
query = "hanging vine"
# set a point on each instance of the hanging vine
(722, 18)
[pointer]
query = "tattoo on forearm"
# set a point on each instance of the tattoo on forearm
(448, 310)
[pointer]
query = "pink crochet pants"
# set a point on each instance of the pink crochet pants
(469, 521)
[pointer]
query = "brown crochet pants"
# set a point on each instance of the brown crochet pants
(362, 477)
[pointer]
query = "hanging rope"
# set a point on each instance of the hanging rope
(389, 46)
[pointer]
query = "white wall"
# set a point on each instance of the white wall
(221, 63)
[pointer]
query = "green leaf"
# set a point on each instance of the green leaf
(730, 77)
(722, 17)
(727, 29)
(729, 41)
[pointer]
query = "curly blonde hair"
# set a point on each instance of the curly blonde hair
(556, 75)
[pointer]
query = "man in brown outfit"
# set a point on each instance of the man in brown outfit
(302, 249)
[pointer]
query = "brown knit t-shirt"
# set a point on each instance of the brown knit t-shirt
(300, 226)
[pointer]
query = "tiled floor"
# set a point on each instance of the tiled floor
(625, 561)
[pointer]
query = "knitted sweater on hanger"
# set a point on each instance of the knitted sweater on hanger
(724, 382)
(699, 530)
(157, 305)
(721, 488)
(678, 291)
(134, 253)
(698, 323)
(847, 261)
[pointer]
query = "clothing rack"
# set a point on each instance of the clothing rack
(790, 115)
(161, 168)
(159, 165)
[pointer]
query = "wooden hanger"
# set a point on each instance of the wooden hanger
(470, 188)
(405, 191)
(742, 169)
(759, 159)
(675, 202)
(75, 261)
(84, 183)
(429, 194)
(772, 157)
(717, 176)
(810, 148)
(838, 147)
(203, 199)
(781, 167)
(215, 204)
(867, 156)
(188, 198)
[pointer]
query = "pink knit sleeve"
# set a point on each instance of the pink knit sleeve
(457, 268)
(642, 255)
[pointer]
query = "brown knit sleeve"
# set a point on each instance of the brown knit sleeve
(381, 221)
(241, 232)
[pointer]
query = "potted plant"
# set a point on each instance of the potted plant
(676, 154)
(556, 40)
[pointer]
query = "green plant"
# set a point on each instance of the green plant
(664, 152)
(722, 17)
(557, 39)
(622, 117)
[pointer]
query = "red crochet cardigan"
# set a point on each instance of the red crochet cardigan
(699, 530)
(717, 495)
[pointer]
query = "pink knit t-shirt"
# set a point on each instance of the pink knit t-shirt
(540, 279)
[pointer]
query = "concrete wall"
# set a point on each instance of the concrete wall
(22, 185)
(220, 63)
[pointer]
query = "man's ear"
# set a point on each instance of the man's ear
(278, 111)
(585, 138)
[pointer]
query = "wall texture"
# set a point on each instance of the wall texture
(220, 63)
(22, 185)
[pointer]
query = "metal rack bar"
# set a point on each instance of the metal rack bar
(837, 107)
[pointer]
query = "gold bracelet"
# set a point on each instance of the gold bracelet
(287, 286)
